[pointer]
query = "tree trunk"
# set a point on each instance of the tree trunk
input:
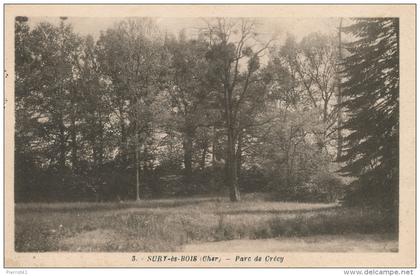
(73, 144)
(94, 153)
(213, 148)
(137, 169)
(239, 155)
(123, 146)
(101, 144)
(325, 112)
(287, 159)
(232, 179)
(203, 156)
(62, 155)
(231, 170)
(188, 148)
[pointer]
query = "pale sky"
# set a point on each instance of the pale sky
(268, 27)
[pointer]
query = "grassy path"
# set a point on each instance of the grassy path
(171, 224)
(317, 243)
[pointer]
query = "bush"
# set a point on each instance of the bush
(253, 180)
(323, 187)
(328, 187)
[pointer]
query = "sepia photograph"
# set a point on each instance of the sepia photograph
(207, 134)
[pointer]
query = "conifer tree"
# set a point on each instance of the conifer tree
(371, 93)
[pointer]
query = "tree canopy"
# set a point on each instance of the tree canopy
(138, 113)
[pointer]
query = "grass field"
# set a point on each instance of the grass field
(188, 223)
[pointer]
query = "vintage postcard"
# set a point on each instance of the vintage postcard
(209, 136)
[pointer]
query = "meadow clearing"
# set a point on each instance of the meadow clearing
(200, 224)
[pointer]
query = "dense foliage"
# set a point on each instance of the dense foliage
(139, 113)
(371, 90)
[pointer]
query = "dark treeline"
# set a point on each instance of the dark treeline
(139, 113)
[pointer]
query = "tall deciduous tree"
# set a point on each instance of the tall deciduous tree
(312, 64)
(52, 88)
(131, 58)
(233, 66)
(187, 91)
(96, 107)
(46, 96)
(26, 123)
